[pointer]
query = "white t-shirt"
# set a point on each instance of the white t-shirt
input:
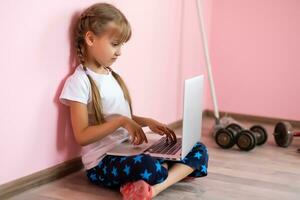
(78, 88)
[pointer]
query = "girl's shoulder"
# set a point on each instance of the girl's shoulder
(78, 81)
(76, 88)
(79, 76)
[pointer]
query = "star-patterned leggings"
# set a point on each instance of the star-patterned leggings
(114, 171)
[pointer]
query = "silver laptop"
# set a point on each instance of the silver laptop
(191, 130)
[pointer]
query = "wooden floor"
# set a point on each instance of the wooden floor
(267, 172)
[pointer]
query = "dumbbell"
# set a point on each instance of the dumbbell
(245, 139)
(284, 134)
(226, 137)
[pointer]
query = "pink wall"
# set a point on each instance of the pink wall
(192, 60)
(255, 49)
(35, 56)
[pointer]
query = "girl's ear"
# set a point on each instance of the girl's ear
(89, 38)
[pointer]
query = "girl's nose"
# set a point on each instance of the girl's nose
(118, 52)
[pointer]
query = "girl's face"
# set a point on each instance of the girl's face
(103, 49)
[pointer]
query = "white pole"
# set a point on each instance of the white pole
(207, 58)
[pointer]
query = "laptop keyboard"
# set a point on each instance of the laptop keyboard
(162, 147)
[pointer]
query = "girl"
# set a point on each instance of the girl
(101, 113)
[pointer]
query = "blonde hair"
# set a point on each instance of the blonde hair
(94, 19)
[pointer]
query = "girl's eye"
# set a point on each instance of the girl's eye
(115, 44)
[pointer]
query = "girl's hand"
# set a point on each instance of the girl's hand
(162, 129)
(135, 131)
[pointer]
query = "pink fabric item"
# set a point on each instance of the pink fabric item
(138, 190)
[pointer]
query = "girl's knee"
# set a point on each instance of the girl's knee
(200, 147)
(199, 154)
(204, 151)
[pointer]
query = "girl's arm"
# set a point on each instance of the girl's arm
(85, 134)
(142, 121)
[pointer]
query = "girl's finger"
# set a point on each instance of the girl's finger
(136, 139)
(173, 134)
(160, 131)
(139, 138)
(133, 139)
(169, 137)
(167, 133)
(163, 130)
(143, 135)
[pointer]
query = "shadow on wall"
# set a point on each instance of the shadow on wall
(66, 142)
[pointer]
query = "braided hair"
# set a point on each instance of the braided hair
(94, 19)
